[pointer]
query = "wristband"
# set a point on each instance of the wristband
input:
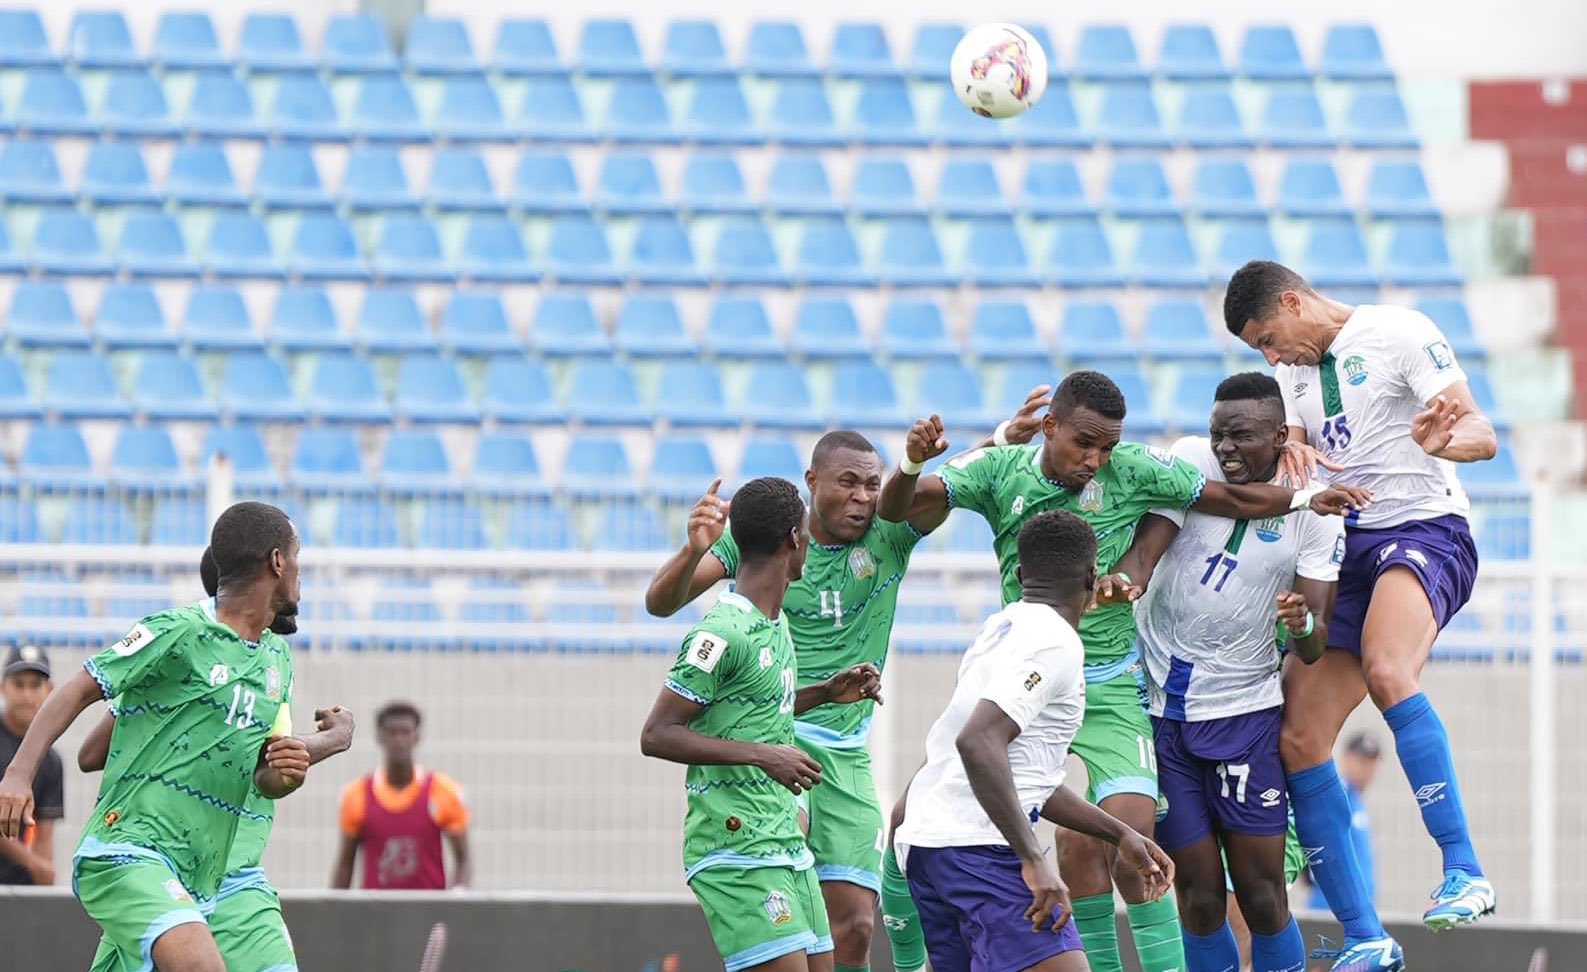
(1302, 498)
(1000, 434)
(909, 467)
(1311, 625)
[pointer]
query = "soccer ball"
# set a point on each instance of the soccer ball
(998, 70)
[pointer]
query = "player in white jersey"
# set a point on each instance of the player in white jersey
(1206, 632)
(994, 758)
(1375, 394)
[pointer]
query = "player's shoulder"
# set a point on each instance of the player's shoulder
(1391, 327)
(1137, 455)
(1040, 632)
(161, 625)
(992, 458)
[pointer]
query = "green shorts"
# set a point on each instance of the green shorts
(847, 831)
(135, 901)
(1115, 739)
(1294, 859)
(762, 913)
(248, 927)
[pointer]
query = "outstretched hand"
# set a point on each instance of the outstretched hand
(1338, 500)
(1298, 462)
(708, 519)
(1434, 427)
(1026, 422)
(1150, 862)
(1115, 588)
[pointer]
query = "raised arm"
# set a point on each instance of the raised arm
(1454, 428)
(689, 573)
(54, 717)
(333, 733)
(905, 495)
(1258, 501)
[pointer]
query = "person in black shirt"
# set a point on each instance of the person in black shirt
(24, 686)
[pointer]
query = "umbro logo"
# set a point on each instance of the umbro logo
(1313, 855)
(1430, 794)
(1411, 553)
(1387, 552)
(1300, 388)
(1270, 797)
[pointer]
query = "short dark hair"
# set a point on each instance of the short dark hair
(398, 710)
(244, 537)
(841, 440)
(1090, 390)
(1248, 386)
(1254, 290)
(209, 573)
(764, 512)
(1058, 547)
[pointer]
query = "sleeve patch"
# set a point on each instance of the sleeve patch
(1163, 458)
(1439, 354)
(705, 650)
(960, 462)
(137, 639)
(1032, 680)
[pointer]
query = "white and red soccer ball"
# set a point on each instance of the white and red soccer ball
(998, 70)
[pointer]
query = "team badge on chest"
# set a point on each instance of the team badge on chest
(861, 563)
(273, 684)
(1091, 497)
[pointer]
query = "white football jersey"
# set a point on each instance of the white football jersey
(1206, 625)
(1030, 663)
(1383, 368)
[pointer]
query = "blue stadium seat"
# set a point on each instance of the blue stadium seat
(689, 393)
(544, 182)
(1094, 332)
(884, 114)
(78, 384)
(1498, 476)
(389, 322)
(626, 525)
(1243, 240)
(1451, 316)
(144, 458)
(200, 175)
(167, 386)
(933, 49)
(1193, 397)
(452, 526)
(1398, 188)
(11, 260)
(777, 49)
(177, 523)
(739, 328)
(798, 185)
(151, 245)
(1294, 119)
(1128, 117)
(637, 112)
(913, 329)
(578, 252)
(910, 255)
(1190, 52)
(1352, 52)
(439, 45)
(254, 388)
(1418, 256)
(649, 326)
(778, 397)
(1377, 120)
(134, 105)
(221, 107)
(52, 104)
(493, 251)
(415, 461)
(459, 181)
(771, 457)
(270, 43)
(1004, 329)
(1107, 53)
(356, 44)
(1052, 122)
(597, 465)
(30, 174)
(860, 50)
(384, 110)
(342, 388)
(693, 48)
(1223, 188)
(41, 315)
(66, 242)
(114, 175)
(952, 389)
(186, 41)
(129, 316)
(828, 256)
(1082, 257)
(1052, 189)
(302, 109)
(326, 458)
(743, 254)
(536, 527)
(718, 114)
(954, 125)
(476, 323)
(302, 319)
(1482, 393)
(1310, 187)
(994, 255)
(969, 187)
(712, 184)
(430, 389)
(1179, 330)
(1139, 188)
(287, 178)
(525, 47)
(1336, 255)
(1270, 53)
(409, 250)
(681, 468)
(565, 324)
(628, 185)
(662, 253)
(828, 328)
(323, 248)
(551, 111)
(610, 47)
(16, 401)
(468, 110)
(1210, 119)
(100, 39)
(802, 115)
(863, 396)
(519, 390)
(23, 42)
(1143, 419)
(216, 319)
(371, 522)
(55, 453)
(506, 462)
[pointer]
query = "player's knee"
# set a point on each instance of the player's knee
(1202, 910)
(1389, 681)
(1265, 905)
(1301, 746)
(853, 927)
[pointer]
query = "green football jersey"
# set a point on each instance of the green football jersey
(739, 664)
(1006, 486)
(840, 613)
(253, 832)
(195, 703)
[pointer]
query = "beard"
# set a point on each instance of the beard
(286, 622)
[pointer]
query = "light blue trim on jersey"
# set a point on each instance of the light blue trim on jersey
(691, 696)
(161, 925)
(743, 862)
(805, 941)
(824, 737)
(1142, 785)
(93, 847)
(283, 968)
(244, 879)
(737, 600)
(1108, 671)
(822, 944)
(869, 880)
(98, 676)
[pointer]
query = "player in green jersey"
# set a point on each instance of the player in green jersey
(1080, 466)
(205, 716)
(727, 711)
(246, 921)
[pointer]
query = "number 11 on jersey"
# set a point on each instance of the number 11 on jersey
(832, 607)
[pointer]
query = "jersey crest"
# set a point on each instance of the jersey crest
(861, 563)
(1270, 530)
(273, 684)
(1355, 369)
(1091, 497)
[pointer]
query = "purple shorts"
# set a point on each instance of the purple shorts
(1439, 551)
(972, 903)
(1221, 774)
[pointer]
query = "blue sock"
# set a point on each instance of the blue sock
(1424, 753)
(1282, 952)
(1217, 952)
(1322, 821)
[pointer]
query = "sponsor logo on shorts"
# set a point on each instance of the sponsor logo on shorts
(861, 563)
(174, 888)
(218, 675)
(1388, 551)
(1430, 794)
(1091, 497)
(1032, 680)
(778, 911)
(1355, 369)
(1411, 553)
(1270, 797)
